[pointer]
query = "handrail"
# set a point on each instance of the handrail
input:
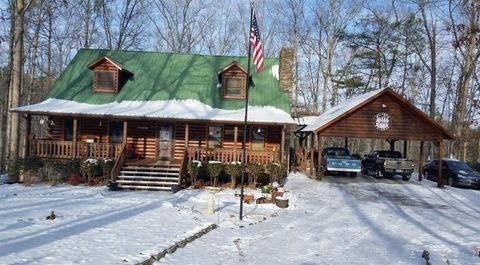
(118, 164)
(183, 167)
(46, 148)
(227, 155)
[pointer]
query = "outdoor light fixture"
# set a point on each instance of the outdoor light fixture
(259, 130)
(384, 105)
(42, 121)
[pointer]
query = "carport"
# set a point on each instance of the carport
(380, 114)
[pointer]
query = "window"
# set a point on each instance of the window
(214, 137)
(68, 130)
(234, 87)
(115, 132)
(258, 138)
(105, 81)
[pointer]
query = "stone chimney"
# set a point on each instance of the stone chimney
(287, 57)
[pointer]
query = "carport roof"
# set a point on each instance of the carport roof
(344, 109)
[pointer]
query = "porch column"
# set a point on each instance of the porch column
(420, 162)
(405, 145)
(27, 135)
(124, 138)
(304, 152)
(74, 138)
(312, 153)
(440, 164)
(346, 142)
(319, 162)
(282, 144)
(235, 137)
(392, 144)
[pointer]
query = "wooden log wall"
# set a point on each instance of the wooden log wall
(179, 142)
(141, 140)
(93, 129)
(55, 131)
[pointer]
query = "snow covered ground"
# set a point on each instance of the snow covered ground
(336, 221)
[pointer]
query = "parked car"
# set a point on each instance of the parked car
(338, 159)
(387, 164)
(454, 172)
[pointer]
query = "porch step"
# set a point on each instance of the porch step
(140, 187)
(149, 177)
(174, 179)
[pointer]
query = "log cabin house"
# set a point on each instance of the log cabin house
(152, 112)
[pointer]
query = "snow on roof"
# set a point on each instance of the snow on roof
(305, 120)
(171, 109)
(339, 110)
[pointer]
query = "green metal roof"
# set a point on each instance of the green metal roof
(165, 76)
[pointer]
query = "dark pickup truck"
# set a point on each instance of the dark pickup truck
(387, 164)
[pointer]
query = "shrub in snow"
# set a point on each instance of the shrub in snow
(254, 170)
(214, 169)
(193, 169)
(234, 169)
(273, 171)
(89, 167)
(107, 165)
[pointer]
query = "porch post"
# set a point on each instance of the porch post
(27, 135)
(319, 162)
(282, 144)
(74, 138)
(187, 129)
(405, 144)
(312, 152)
(124, 138)
(420, 162)
(346, 142)
(440, 164)
(235, 137)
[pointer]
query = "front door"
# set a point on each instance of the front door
(164, 146)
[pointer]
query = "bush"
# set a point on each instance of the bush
(75, 179)
(254, 171)
(214, 169)
(234, 169)
(89, 168)
(274, 171)
(193, 170)
(31, 164)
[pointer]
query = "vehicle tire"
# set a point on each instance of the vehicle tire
(450, 182)
(353, 174)
(377, 174)
(364, 171)
(405, 178)
(425, 174)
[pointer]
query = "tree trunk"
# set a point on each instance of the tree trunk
(16, 84)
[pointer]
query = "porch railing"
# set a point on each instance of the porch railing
(65, 149)
(227, 155)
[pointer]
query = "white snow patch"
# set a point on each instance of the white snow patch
(338, 110)
(275, 71)
(171, 109)
(334, 221)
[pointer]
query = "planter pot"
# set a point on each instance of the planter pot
(113, 186)
(281, 202)
(248, 198)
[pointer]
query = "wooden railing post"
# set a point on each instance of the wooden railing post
(74, 139)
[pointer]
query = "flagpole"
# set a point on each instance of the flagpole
(244, 142)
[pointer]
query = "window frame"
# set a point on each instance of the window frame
(103, 89)
(220, 140)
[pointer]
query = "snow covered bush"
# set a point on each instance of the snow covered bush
(193, 169)
(214, 169)
(234, 169)
(89, 167)
(107, 165)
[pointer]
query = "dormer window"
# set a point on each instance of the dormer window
(108, 75)
(233, 81)
(105, 81)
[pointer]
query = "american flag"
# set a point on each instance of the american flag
(256, 44)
